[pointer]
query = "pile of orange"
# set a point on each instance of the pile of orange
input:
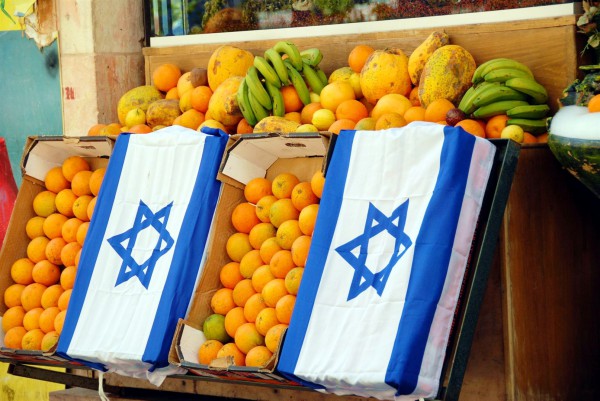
(268, 252)
(44, 277)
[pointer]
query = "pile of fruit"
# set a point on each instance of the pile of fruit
(268, 251)
(285, 90)
(43, 280)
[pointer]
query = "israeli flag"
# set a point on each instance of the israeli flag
(388, 256)
(144, 251)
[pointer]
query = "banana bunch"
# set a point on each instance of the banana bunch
(259, 94)
(506, 86)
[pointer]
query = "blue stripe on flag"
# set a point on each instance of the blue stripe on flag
(433, 248)
(93, 241)
(333, 195)
(196, 225)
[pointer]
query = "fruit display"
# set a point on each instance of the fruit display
(44, 277)
(267, 253)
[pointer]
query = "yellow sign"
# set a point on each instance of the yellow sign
(11, 13)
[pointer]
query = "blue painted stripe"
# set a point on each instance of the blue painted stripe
(93, 242)
(188, 253)
(331, 202)
(433, 248)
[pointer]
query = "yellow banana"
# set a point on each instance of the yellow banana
(257, 89)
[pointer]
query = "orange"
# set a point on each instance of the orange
(200, 96)
(299, 250)
(35, 226)
(293, 279)
(287, 232)
(248, 337)
(256, 188)
(32, 340)
(260, 233)
(366, 124)
(222, 301)
(281, 263)
(20, 271)
(77, 257)
(307, 112)
(43, 203)
(36, 249)
(437, 110)
(96, 180)
(238, 244)
(67, 278)
(46, 273)
(231, 350)
(285, 307)
(230, 275)
(64, 202)
(49, 341)
(594, 104)
(250, 262)
(13, 317)
(63, 300)
(80, 184)
(283, 184)
(472, 127)
(14, 336)
(283, 210)
(242, 292)
(391, 103)
(191, 119)
(317, 182)
(529, 138)
(243, 127)
(95, 129)
(53, 250)
(340, 125)
(244, 217)
(495, 125)
(273, 291)
(268, 249)
(261, 276)
(291, 100)
(69, 229)
(55, 181)
(72, 165)
(258, 356)
(172, 93)
(208, 351)
(52, 226)
(68, 253)
(334, 93)
(303, 195)
(293, 116)
(358, 56)
(273, 337)
(414, 113)
(308, 218)
(351, 109)
(165, 76)
(59, 321)
(414, 96)
(47, 319)
(31, 297)
(82, 232)
(80, 207)
(266, 319)
(12, 295)
(389, 120)
(31, 320)
(234, 319)
(253, 306)
(263, 206)
(139, 129)
(51, 295)
(111, 129)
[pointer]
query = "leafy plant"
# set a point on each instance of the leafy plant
(588, 24)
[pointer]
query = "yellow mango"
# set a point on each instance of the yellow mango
(418, 58)
(386, 71)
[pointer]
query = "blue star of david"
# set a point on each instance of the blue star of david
(124, 244)
(375, 223)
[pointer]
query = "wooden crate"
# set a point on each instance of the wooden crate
(548, 46)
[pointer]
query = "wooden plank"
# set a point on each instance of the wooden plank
(551, 254)
(548, 46)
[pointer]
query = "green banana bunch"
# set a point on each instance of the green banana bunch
(312, 78)
(289, 48)
(298, 82)
(275, 60)
(267, 71)
(277, 96)
(535, 90)
(532, 111)
(259, 111)
(256, 88)
(533, 126)
(498, 63)
(496, 108)
(243, 100)
(312, 56)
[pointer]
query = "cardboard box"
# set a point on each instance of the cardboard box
(41, 153)
(246, 157)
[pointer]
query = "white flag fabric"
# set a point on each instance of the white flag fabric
(388, 256)
(144, 251)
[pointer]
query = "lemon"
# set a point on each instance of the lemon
(214, 328)
(307, 128)
(135, 116)
(365, 124)
(513, 132)
(322, 119)
(315, 97)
